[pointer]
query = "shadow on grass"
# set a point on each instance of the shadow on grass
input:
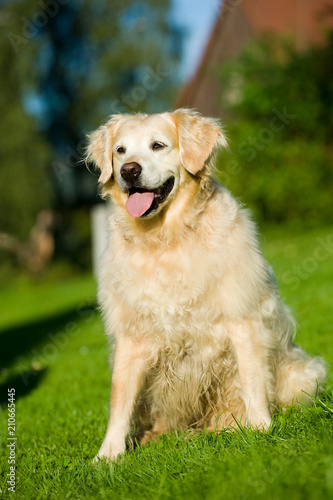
(53, 332)
(23, 383)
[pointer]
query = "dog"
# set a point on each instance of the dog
(202, 339)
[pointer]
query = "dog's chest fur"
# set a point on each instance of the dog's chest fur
(180, 290)
(169, 291)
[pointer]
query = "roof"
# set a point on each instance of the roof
(238, 23)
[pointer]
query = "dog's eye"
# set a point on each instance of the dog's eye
(121, 150)
(156, 146)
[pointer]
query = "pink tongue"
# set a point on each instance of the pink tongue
(138, 203)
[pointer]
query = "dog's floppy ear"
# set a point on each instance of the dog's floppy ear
(99, 149)
(198, 137)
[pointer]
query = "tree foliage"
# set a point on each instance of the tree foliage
(24, 153)
(282, 104)
(65, 65)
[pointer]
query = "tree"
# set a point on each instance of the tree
(24, 153)
(93, 59)
(282, 104)
(65, 65)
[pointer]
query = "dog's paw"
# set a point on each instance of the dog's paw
(101, 458)
(96, 460)
(148, 436)
(259, 420)
(108, 453)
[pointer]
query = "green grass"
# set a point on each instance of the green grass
(54, 353)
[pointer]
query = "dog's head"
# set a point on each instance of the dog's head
(145, 159)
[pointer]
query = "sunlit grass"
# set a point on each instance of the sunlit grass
(54, 353)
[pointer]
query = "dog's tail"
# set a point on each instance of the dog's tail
(299, 377)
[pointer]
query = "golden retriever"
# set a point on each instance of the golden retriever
(202, 338)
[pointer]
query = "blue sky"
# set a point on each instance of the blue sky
(197, 17)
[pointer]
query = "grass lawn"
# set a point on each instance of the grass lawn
(54, 354)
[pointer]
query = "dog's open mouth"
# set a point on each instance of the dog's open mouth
(143, 201)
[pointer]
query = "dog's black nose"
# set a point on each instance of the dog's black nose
(130, 171)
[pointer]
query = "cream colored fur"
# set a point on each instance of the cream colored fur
(202, 338)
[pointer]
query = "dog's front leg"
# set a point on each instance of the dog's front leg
(252, 371)
(127, 380)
